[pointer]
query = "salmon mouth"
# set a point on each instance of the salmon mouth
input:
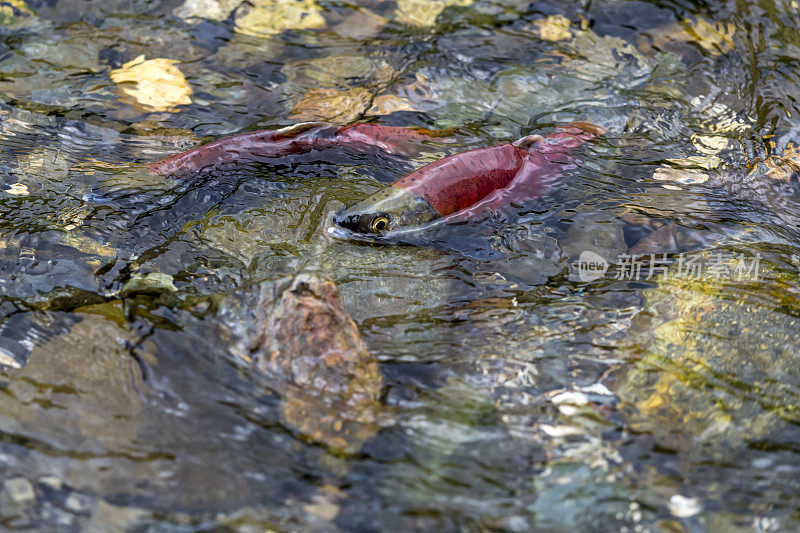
(344, 234)
(338, 232)
(409, 235)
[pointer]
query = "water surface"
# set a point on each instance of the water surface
(521, 395)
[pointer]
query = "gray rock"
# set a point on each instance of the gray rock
(107, 518)
(18, 490)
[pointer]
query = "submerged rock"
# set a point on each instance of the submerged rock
(360, 24)
(713, 373)
(242, 51)
(152, 283)
(111, 518)
(218, 10)
(18, 490)
(339, 107)
(88, 369)
(340, 70)
(387, 104)
(301, 337)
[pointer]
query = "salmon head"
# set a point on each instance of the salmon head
(386, 214)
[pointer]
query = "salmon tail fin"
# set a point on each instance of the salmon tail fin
(448, 132)
(527, 142)
(593, 129)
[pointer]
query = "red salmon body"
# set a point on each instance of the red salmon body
(297, 139)
(457, 182)
(391, 139)
(463, 185)
(497, 175)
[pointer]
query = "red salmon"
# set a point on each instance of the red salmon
(462, 185)
(297, 139)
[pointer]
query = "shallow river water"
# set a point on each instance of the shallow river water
(620, 355)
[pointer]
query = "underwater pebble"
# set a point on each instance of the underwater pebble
(7, 360)
(339, 70)
(18, 189)
(597, 388)
(570, 397)
(560, 431)
(156, 84)
(683, 507)
(762, 462)
(338, 107)
(73, 503)
(52, 481)
(107, 518)
(18, 490)
(152, 283)
(218, 10)
(306, 340)
(361, 24)
(715, 38)
(568, 402)
(386, 104)
(322, 508)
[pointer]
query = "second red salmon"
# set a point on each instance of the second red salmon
(463, 185)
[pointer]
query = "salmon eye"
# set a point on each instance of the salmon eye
(379, 223)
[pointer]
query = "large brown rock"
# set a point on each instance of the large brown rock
(307, 344)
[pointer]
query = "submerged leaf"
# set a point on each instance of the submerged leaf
(269, 17)
(553, 28)
(155, 84)
(424, 12)
(15, 13)
(716, 38)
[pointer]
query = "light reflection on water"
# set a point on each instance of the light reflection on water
(518, 396)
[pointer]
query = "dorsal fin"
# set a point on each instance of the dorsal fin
(527, 142)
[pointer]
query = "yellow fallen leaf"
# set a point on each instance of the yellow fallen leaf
(690, 169)
(707, 162)
(13, 12)
(155, 84)
(709, 144)
(261, 18)
(714, 38)
(424, 12)
(339, 107)
(553, 28)
(717, 39)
